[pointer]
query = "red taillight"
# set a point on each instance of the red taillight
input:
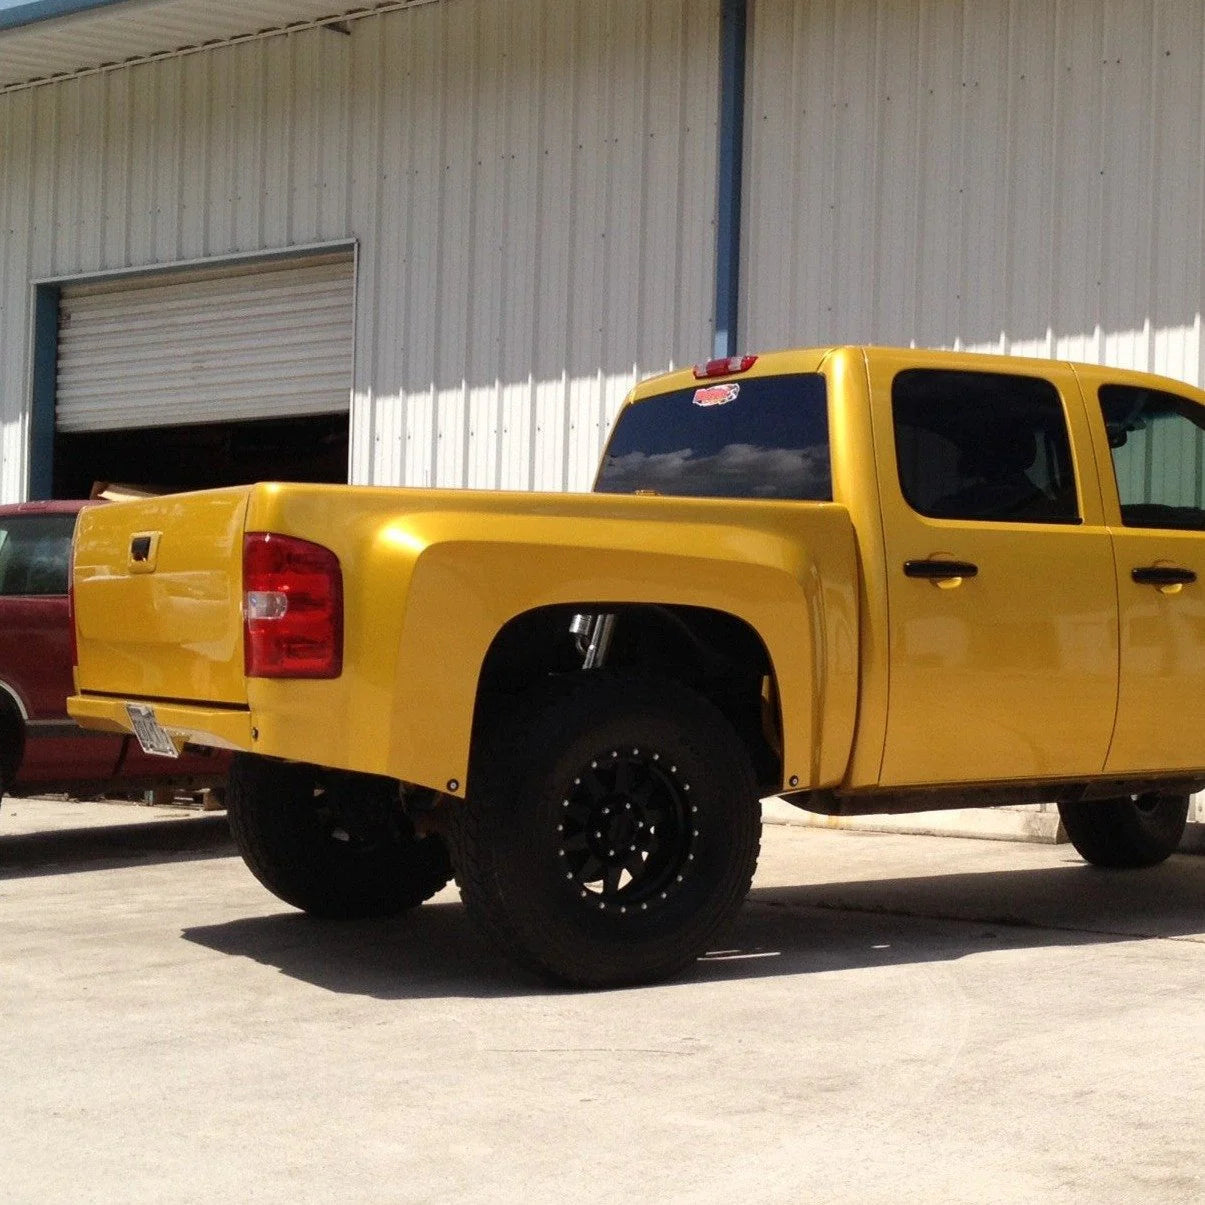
(292, 608)
(725, 366)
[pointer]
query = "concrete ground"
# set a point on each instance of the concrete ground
(892, 1019)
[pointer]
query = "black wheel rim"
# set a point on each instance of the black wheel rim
(626, 830)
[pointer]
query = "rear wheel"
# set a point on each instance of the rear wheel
(611, 829)
(1127, 832)
(332, 844)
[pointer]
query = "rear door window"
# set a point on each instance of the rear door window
(765, 437)
(35, 554)
(983, 446)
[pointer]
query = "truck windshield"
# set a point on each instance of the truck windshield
(766, 437)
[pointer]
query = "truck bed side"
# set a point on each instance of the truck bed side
(430, 579)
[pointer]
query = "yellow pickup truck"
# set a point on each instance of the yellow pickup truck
(868, 580)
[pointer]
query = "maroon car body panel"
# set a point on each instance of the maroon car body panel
(36, 673)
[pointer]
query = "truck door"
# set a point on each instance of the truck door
(1151, 445)
(1000, 581)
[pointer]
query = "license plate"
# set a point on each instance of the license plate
(152, 736)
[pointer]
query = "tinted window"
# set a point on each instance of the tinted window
(35, 554)
(984, 446)
(760, 438)
(1158, 445)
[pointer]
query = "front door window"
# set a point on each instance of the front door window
(1157, 441)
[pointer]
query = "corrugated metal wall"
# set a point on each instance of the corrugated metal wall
(545, 184)
(1023, 176)
(532, 184)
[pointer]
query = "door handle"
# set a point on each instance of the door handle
(1163, 575)
(935, 571)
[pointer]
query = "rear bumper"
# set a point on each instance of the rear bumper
(215, 727)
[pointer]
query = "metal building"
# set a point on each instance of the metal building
(434, 241)
(470, 223)
(1019, 176)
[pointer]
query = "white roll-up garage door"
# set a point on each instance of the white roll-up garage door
(216, 346)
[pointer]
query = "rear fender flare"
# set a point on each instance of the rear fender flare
(462, 594)
(8, 694)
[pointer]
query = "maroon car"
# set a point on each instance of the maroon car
(41, 749)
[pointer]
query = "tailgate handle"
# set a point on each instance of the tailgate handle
(144, 551)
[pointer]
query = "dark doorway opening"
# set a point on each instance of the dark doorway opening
(202, 456)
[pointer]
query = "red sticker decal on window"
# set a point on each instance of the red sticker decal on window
(717, 395)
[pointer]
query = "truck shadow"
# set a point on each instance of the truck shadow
(101, 847)
(783, 930)
(866, 923)
(432, 952)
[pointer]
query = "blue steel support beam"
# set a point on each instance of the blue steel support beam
(45, 372)
(733, 24)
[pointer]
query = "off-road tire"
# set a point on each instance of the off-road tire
(332, 844)
(611, 829)
(1127, 832)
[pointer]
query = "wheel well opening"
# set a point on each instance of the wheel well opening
(12, 741)
(714, 653)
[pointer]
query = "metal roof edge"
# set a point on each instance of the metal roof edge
(47, 10)
(83, 22)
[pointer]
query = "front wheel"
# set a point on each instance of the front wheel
(1127, 832)
(610, 830)
(10, 749)
(329, 843)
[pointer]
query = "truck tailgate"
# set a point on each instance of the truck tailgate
(158, 586)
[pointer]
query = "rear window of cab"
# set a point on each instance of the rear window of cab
(760, 438)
